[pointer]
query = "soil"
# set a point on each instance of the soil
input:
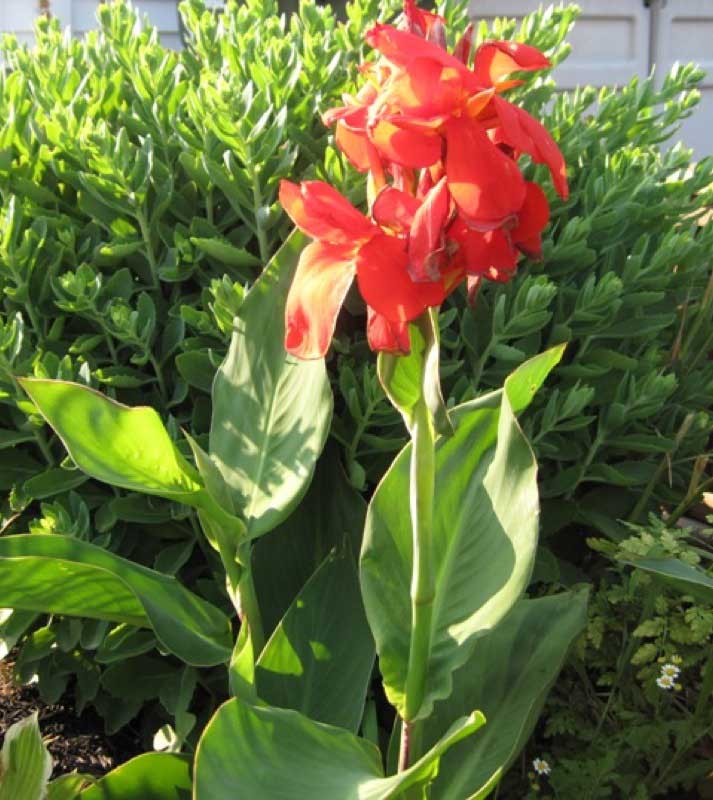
(75, 742)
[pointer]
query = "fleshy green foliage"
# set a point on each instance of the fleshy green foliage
(609, 729)
(137, 203)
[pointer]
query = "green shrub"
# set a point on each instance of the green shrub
(138, 189)
(611, 730)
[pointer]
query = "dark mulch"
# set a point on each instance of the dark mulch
(75, 743)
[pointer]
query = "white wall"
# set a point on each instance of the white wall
(17, 16)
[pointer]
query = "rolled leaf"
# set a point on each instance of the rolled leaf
(484, 537)
(319, 659)
(271, 412)
(116, 444)
(264, 753)
(62, 575)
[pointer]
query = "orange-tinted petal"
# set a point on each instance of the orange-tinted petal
(426, 240)
(355, 145)
(495, 60)
(522, 131)
(321, 212)
(487, 186)
(387, 336)
(384, 282)
(323, 277)
(427, 89)
(394, 209)
(408, 148)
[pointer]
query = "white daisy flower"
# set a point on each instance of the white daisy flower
(665, 682)
(671, 670)
(541, 766)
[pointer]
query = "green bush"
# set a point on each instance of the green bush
(610, 729)
(138, 189)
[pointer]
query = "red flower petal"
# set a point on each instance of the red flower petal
(532, 219)
(323, 277)
(402, 47)
(422, 23)
(394, 209)
(387, 336)
(486, 185)
(384, 282)
(464, 45)
(321, 212)
(408, 148)
(495, 60)
(526, 134)
(426, 241)
(488, 254)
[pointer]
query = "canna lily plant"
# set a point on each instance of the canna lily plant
(450, 533)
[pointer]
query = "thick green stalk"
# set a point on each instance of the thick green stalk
(423, 477)
(249, 606)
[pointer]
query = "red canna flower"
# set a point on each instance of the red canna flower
(448, 202)
(348, 245)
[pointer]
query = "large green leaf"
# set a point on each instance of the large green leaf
(152, 776)
(484, 536)
(116, 444)
(63, 575)
(320, 657)
(507, 677)
(265, 753)
(25, 763)
(331, 513)
(271, 412)
(686, 578)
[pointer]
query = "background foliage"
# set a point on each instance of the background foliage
(138, 192)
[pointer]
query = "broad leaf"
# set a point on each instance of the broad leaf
(264, 753)
(25, 763)
(152, 776)
(507, 677)
(271, 412)
(330, 514)
(116, 444)
(684, 577)
(320, 657)
(63, 575)
(484, 536)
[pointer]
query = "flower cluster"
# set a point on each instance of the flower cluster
(667, 680)
(447, 199)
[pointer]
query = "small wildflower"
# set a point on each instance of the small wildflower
(665, 682)
(541, 766)
(676, 660)
(671, 670)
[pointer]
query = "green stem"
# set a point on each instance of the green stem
(159, 375)
(249, 608)
(690, 498)
(44, 447)
(423, 478)
(257, 210)
(146, 236)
